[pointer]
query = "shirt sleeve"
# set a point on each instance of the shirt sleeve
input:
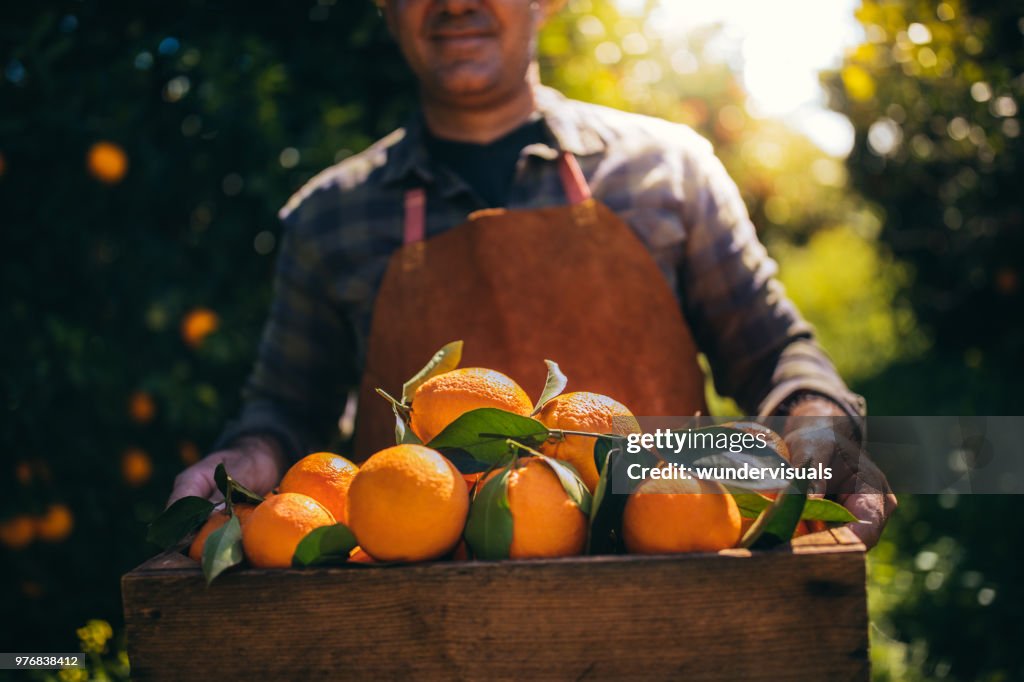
(760, 348)
(298, 387)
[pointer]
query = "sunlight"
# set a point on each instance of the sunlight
(780, 48)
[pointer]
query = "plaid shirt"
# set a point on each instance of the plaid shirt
(661, 178)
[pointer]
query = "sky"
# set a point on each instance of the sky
(784, 44)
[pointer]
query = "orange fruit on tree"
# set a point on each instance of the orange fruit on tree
(277, 525)
(56, 524)
(197, 325)
(189, 452)
(17, 532)
(325, 477)
(667, 516)
(215, 521)
(141, 407)
(582, 411)
(444, 398)
(107, 162)
(136, 466)
(407, 503)
(546, 522)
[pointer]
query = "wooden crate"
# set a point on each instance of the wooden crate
(798, 613)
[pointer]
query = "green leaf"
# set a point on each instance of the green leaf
(325, 545)
(465, 462)
(609, 503)
(602, 446)
(223, 549)
(778, 522)
(444, 360)
(484, 433)
(403, 434)
(178, 520)
(752, 504)
(553, 386)
(571, 482)
(818, 509)
(232, 490)
(489, 526)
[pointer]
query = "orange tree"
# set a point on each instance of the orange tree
(144, 152)
(934, 94)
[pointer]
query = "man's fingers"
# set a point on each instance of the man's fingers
(187, 484)
(197, 480)
(872, 508)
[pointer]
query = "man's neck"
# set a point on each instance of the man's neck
(483, 124)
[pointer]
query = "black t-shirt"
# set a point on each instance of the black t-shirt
(488, 169)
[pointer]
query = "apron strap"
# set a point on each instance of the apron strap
(414, 226)
(574, 183)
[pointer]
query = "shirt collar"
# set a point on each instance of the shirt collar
(563, 121)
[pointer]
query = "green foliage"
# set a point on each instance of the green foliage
(852, 287)
(222, 110)
(934, 95)
(945, 591)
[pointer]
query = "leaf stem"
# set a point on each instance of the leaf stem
(562, 433)
(395, 402)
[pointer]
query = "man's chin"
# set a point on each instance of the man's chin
(466, 84)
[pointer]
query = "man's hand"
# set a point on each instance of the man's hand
(818, 430)
(254, 461)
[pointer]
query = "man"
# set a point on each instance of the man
(530, 226)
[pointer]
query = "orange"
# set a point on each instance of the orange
(141, 407)
(680, 515)
(107, 162)
(188, 452)
(325, 477)
(56, 524)
(17, 532)
(446, 397)
(197, 325)
(277, 525)
(216, 520)
(407, 503)
(136, 467)
(545, 520)
(583, 411)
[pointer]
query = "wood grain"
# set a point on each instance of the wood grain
(780, 615)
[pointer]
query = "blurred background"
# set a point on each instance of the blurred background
(146, 147)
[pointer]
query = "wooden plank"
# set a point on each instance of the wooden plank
(767, 616)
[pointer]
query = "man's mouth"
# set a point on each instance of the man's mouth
(462, 41)
(458, 36)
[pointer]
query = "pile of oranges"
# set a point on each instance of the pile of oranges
(409, 503)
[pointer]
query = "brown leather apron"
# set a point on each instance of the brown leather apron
(571, 283)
